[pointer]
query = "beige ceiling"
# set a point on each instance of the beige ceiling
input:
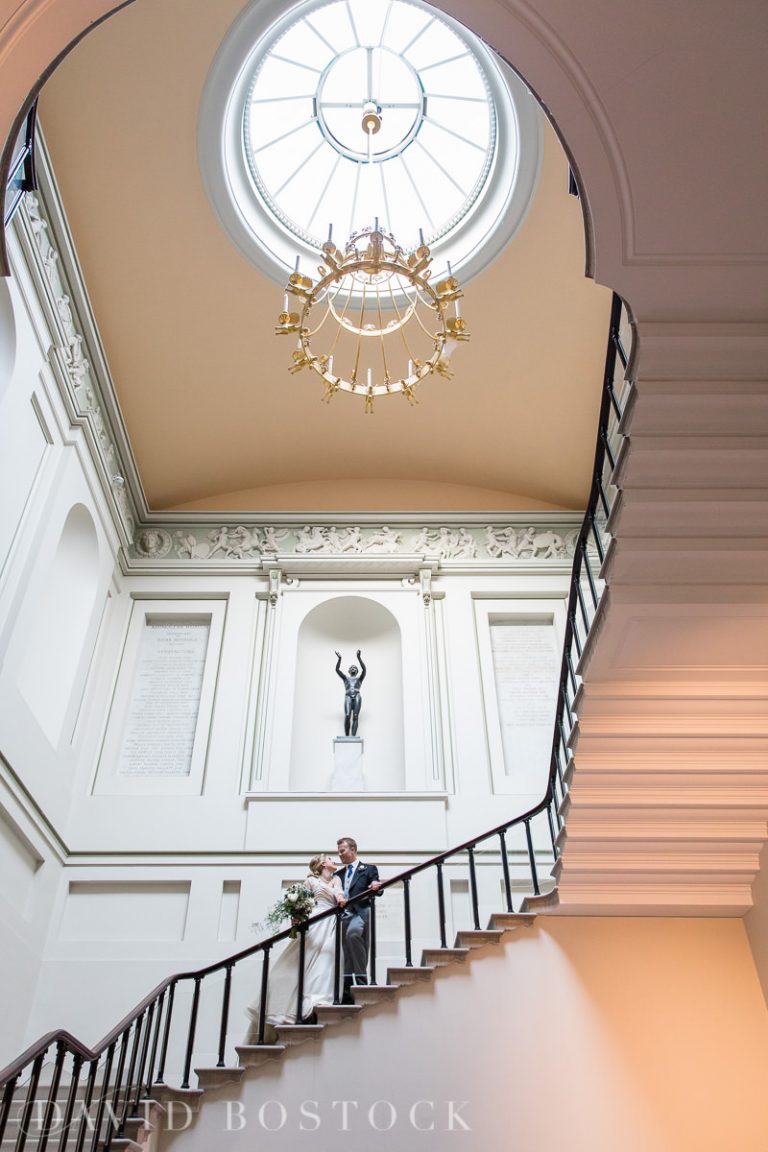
(214, 418)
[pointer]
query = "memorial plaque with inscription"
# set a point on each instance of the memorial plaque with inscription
(165, 699)
(525, 665)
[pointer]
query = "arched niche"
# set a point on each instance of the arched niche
(7, 338)
(59, 623)
(347, 623)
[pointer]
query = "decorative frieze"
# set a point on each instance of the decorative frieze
(443, 542)
(71, 363)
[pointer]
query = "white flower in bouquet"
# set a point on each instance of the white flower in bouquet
(297, 905)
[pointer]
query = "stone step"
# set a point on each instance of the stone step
(336, 1013)
(298, 1033)
(374, 993)
(508, 921)
(215, 1077)
(478, 937)
(254, 1055)
(441, 957)
(410, 975)
(169, 1095)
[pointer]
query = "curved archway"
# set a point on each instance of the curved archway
(61, 618)
(346, 624)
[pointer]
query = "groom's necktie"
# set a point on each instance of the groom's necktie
(348, 879)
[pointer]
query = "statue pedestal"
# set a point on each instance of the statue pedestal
(348, 764)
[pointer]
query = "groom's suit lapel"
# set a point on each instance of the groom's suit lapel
(360, 874)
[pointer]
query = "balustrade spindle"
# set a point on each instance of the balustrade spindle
(441, 904)
(155, 1040)
(131, 1072)
(160, 1078)
(532, 859)
(407, 920)
(29, 1103)
(5, 1107)
(473, 888)
(69, 1108)
(224, 1014)
(590, 578)
(337, 959)
(300, 989)
(96, 1140)
(263, 995)
(505, 872)
(191, 1033)
(112, 1116)
(372, 943)
(143, 1060)
(87, 1101)
(53, 1092)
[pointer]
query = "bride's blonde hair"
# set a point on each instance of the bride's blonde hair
(316, 863)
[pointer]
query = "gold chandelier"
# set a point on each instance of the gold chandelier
(383, 325)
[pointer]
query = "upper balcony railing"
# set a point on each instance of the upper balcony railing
(190, 1012)
(21, 174)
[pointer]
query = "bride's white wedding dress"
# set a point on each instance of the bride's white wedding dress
(319, 955)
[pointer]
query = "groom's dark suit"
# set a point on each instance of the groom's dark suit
(354, 922)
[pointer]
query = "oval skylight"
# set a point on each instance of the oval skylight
(333, 115)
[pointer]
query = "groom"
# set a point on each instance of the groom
(355, 878)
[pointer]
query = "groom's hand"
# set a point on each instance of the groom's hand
(374, 885)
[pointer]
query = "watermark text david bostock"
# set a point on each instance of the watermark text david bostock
(270, 1115)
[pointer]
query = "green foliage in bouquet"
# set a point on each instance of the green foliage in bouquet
(297, 905)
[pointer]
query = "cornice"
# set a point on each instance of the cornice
(76, 356)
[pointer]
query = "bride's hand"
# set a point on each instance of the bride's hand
(341, 901)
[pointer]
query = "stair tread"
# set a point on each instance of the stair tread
(216, 1069)
(264, 1049)
(299, 1029)
(337, 1009)
(445, 952)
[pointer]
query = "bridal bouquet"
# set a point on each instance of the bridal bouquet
(297, 905)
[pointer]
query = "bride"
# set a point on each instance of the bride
(319, 954)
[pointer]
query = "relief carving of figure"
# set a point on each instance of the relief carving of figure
(272, 537)
(189, 549)
(344, 539)
(243, 542)
(465, 548)
(78, 367)
(428, 541)
(546, 545)
(312, 538)
(382, 539)
(500, 542)
(219, 538)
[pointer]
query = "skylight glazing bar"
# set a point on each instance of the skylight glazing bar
(321, 197)
(457, 135)
(444, 170)
(304, 160)
(331, 47)
(353, 26)
(419, 34)
(296, 63)
(284, 136)
(417, 193)
(447, 60)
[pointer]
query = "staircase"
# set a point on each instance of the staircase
(50, 1109)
